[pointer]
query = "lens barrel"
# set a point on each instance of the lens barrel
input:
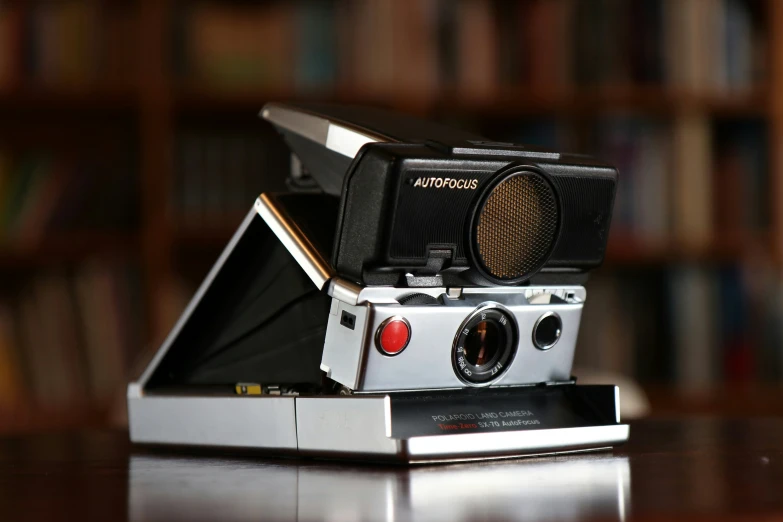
(485, 345)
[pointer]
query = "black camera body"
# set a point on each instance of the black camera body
(431, 208)
(423, 200)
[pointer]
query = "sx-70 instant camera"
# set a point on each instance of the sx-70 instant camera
(416, 297)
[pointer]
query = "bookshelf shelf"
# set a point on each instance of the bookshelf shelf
(74, 100)
(193, 98)
(214, 235)
(628, 251)
(596, 101)
(658, 99)
(734, 400)
(507, 101)
(23, 418)
(69, 247)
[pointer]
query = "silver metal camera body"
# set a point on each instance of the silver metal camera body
(354, 357)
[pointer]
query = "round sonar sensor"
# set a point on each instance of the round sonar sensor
(393, 335)
(485, 345)
(515, 227)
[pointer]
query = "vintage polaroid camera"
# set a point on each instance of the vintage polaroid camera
(415, 296)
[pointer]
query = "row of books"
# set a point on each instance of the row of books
(691, 180)
(641, 149)
(741, 176)
(43, 193)
(220, 173)
(67, 43)
(696, 45)
(685, 181)
(691, 325)
(67, 336)
(420, 47)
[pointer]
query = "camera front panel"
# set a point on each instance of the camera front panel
(502, 222)
(490, 338)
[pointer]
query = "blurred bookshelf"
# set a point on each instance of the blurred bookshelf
(160, 98)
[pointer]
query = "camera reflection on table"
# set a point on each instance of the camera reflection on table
(180, 487)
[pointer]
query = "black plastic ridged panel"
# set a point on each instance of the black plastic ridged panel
(587, 206)
(429, 216)
(516, 227)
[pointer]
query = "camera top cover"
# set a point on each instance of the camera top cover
(418, 202)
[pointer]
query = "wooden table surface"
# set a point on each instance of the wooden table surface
(693, 469)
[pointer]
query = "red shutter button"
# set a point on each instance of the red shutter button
(393, 335)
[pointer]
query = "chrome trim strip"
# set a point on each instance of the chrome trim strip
(344, 291)
(346, 141)
(306, 125)
(390, 294)
(387, 415)
(340, 137)
(315, 266)
(515, 442)
(486, 458)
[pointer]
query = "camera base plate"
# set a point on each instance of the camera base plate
(404, 427)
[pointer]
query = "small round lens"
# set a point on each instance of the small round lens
(547, 331)
(482, 343)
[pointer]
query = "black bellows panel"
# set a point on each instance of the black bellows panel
(261, 320)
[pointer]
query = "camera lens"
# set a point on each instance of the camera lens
(484, 345)
(481, 344)
(546, 331)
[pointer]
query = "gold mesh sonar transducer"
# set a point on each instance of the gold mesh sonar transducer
(516, 227)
